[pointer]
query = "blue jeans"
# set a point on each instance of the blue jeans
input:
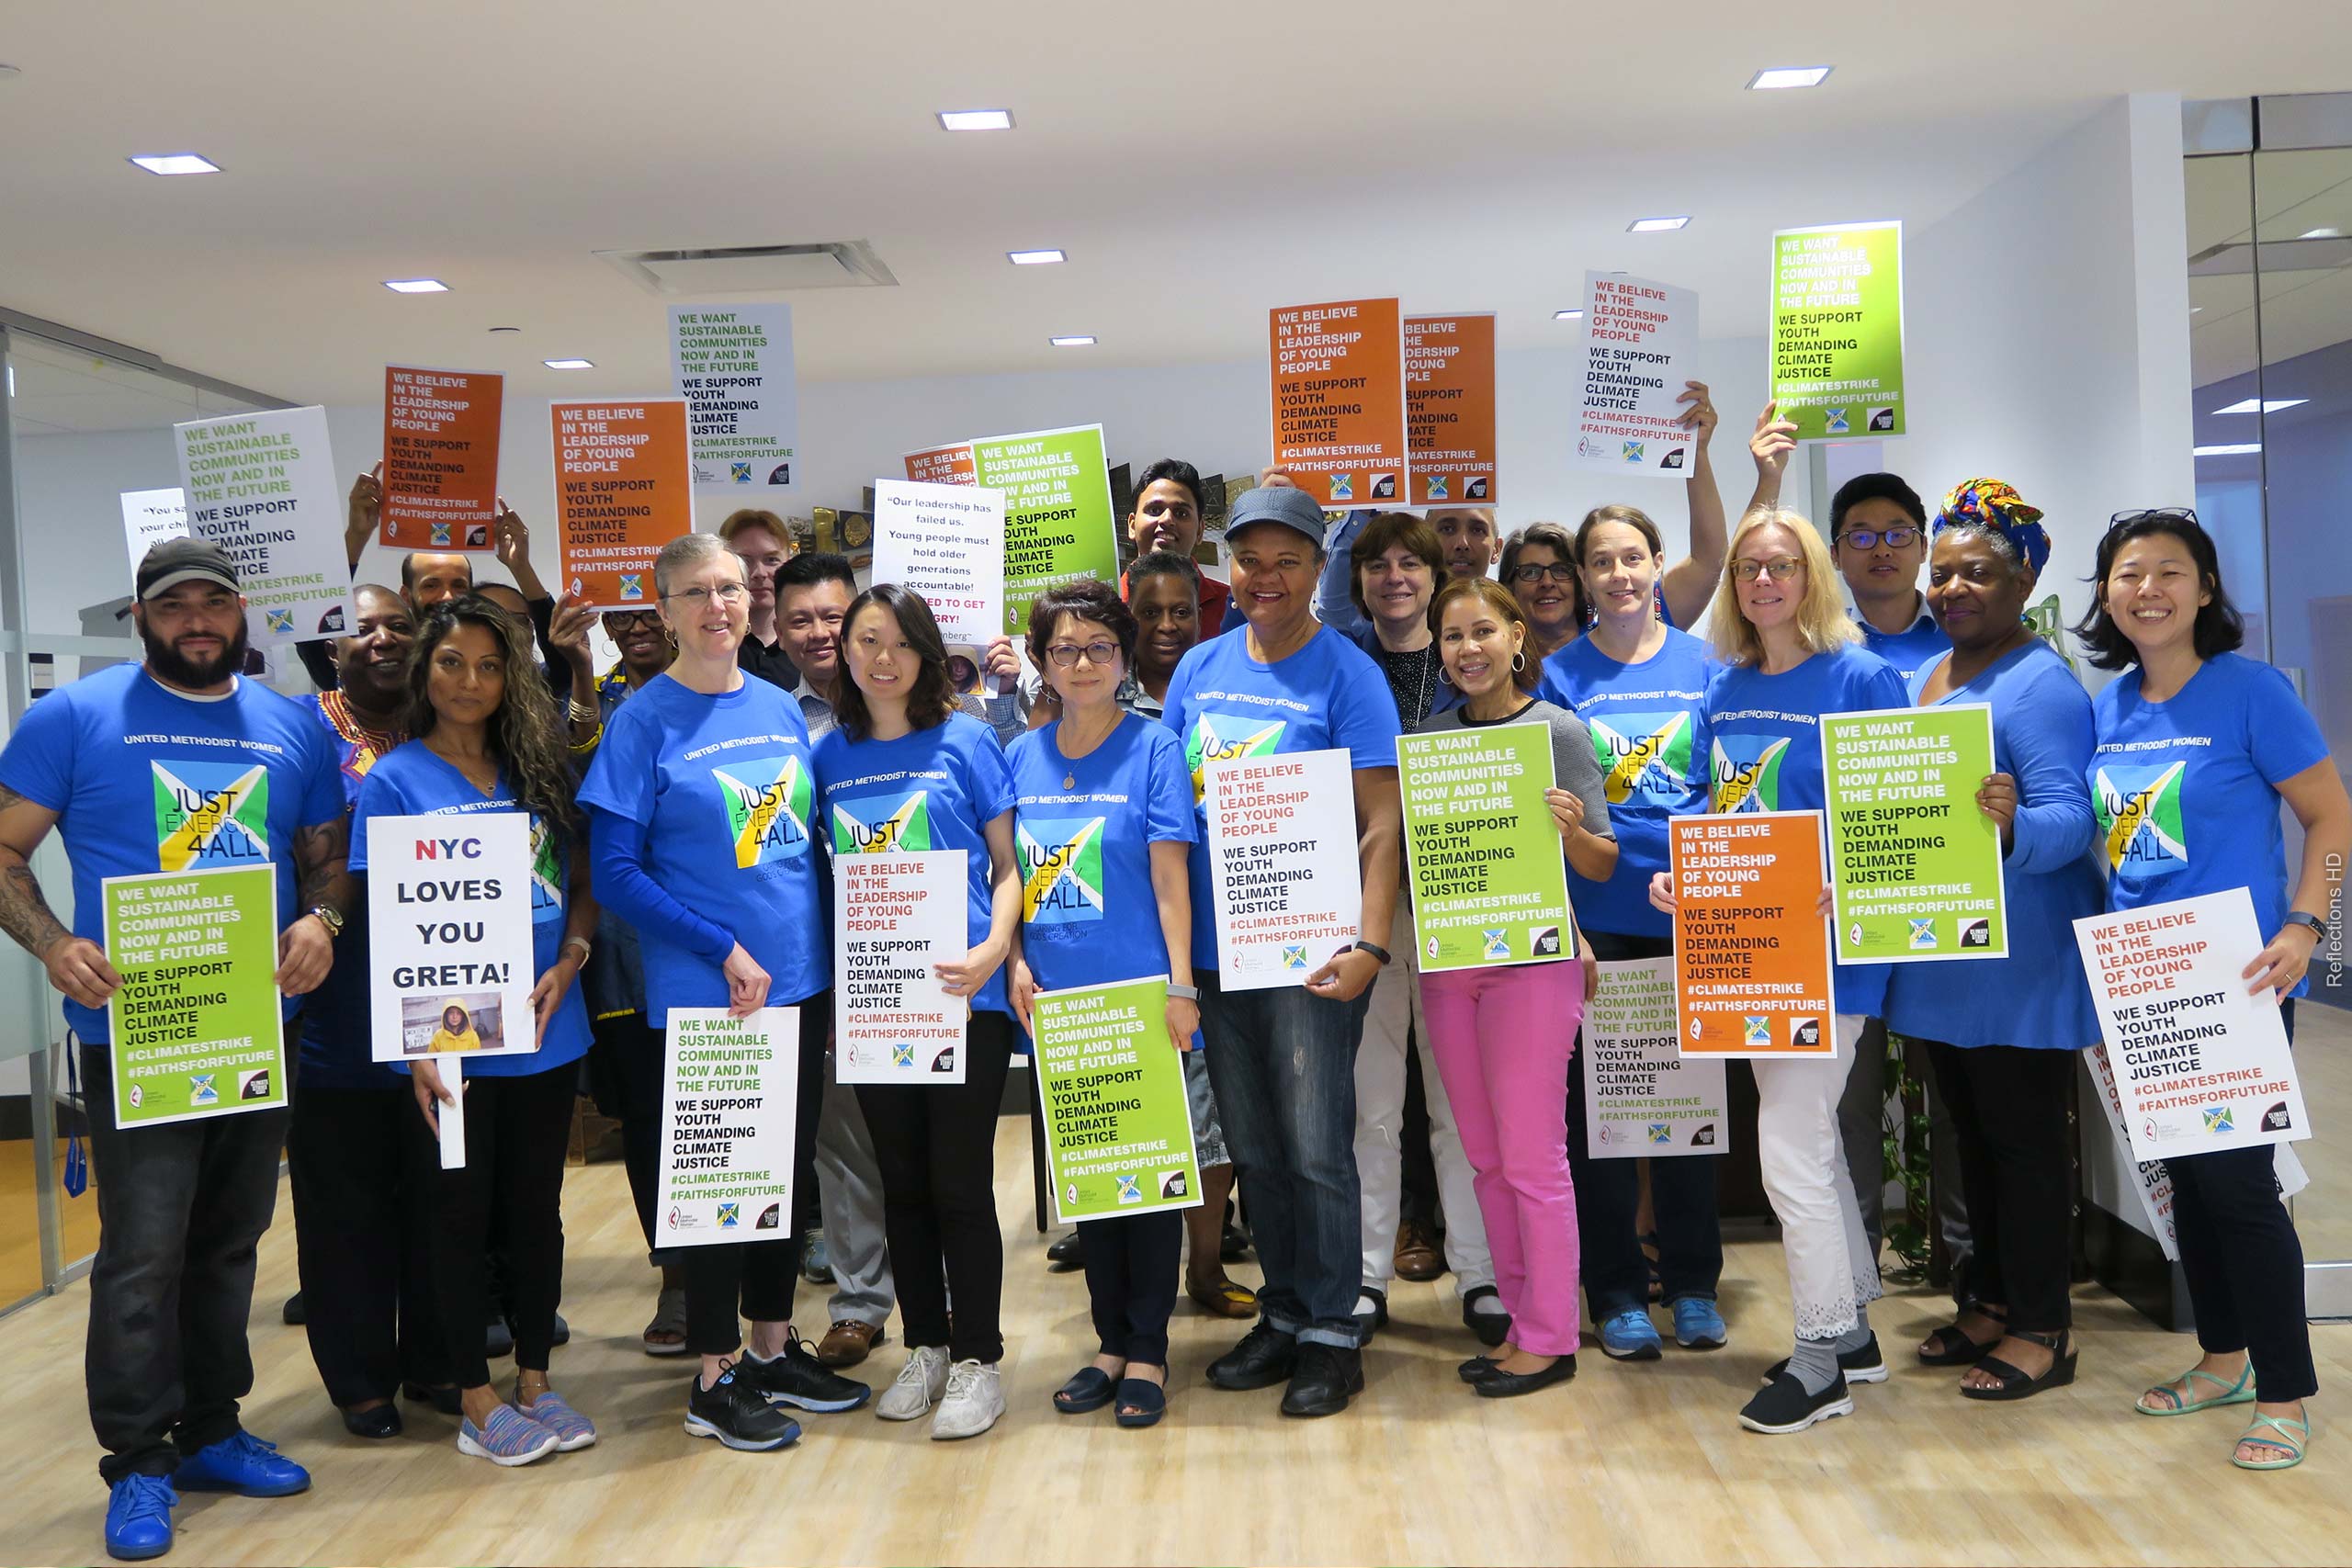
(1283, 1064)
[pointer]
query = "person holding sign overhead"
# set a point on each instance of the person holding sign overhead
(905, 770)
(487, 741)
(699, 803)
(1282, 1058)
(2196, 747)
(1503, 1035)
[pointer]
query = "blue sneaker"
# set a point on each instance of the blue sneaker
(1630, 1336)
(1697, 1324)
(138, 1517)
(243, 1464)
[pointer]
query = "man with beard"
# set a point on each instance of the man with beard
(176, 760)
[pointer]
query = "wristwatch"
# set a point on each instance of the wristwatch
(2299, 918)
(330, 917)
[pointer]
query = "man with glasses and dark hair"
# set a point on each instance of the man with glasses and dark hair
(1878, 534)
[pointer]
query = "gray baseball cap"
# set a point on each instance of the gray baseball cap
(1290, 507)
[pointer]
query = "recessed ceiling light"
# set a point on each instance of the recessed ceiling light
(568, 363)
(975, 119)
(2268, 405)
(1779, 76)
(1654, 225)
(1567, 315)
(1035, 258)
(2321, 234)
(1077, 341)
(10, 72)
(175, 164)
(416, 286)
(506, 329)
(2231, 449)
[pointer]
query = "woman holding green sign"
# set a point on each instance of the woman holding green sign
(1102, 811)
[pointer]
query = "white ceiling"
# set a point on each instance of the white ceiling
(1200, 163)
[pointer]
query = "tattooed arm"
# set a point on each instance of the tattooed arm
(76, 965)
(305, 950)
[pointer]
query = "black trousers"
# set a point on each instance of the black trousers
(757, 1276)
(182, 1207)
(517, 1132)
(362, 1243)
(2244, 1263)
(935, 1147)
(625, 1067)
(1131, 1263)
(2008, 1113)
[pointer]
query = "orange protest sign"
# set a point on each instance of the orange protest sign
(943, 465)
(1450, 409)
(440, 458)
(623, 489)
(1751, 955)
(1338, 400)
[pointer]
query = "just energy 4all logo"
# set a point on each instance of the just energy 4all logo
(547, 875)
(1745, 773)
(1645, 751)
(1220, 737)
(2139, 817)
(882, 824)
(1061, 868)
(210, 814)
(767, 801)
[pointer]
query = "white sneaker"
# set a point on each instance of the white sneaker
(918, 1387)
(974, 1399)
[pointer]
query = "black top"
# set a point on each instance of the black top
(769, 662)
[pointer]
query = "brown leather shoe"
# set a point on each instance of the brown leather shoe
(1418, 1258)
(1221, 1297)
(848, 1342)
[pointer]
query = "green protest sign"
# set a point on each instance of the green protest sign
(1914, 865)
(196, 1023)
(1057, 521)
(1488, 878)
(1837, 330)
(1118, 1131)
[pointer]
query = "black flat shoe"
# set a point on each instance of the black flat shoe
(292, 1312)
(2015, 1384)
(1264, 1358)
(447, 1401)
(1089, 1389)
(1477, 1367)
(379, 1422)
(1865, 1365)
(1500, 1385)
(1067, 1254)
(1233, 1245)
(1150, 1401)
(1491, 1328)
(1785, 1407)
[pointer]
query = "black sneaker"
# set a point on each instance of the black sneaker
(1264, 1358)
(1865, 1365)
(797, 1377)
(1325, 1379)
(735, 1415)
(293, 1312)
(1785, 1407)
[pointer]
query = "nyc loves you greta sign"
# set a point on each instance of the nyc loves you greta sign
(449, 935)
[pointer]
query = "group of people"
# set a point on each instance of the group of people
(769, 716)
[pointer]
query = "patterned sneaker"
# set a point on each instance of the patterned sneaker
(920, 1385)
(243, 1464)
(511, 1439)
(573, 1431)
(975, 1400)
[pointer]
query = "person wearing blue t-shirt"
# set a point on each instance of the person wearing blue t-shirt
(2002, 1033)
(700, 802)
(2196, 747)
(1639, 686)
(905, 771)
(1282, 1058)
(1103, 822)
(176, 763)
(1790, 655)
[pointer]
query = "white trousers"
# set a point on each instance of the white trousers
(1832, 1272)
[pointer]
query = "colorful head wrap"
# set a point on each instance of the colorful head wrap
(1990, 504)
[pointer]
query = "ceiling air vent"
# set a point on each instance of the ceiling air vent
(752, 269)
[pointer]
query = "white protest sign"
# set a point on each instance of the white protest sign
(2200, 1065)
(729, 1096)
(1642, 1096)
(262, 486)
(733, 366)
(1282, 865)
(2148, 1178)
(893, 1020)
(149, 517)
(946, 542)
(449, 935)
(1640, 342)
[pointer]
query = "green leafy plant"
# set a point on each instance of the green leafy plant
(1906, 1153)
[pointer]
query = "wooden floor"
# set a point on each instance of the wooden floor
(1637, 1464)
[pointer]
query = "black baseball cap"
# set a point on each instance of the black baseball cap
(174, 561)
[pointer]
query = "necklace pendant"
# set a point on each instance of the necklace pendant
(1070, 781)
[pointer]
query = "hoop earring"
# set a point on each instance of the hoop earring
(1440, 675)
(1519, 661)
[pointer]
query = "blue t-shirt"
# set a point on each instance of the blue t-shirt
(723, 789)
(145, 780)
(1089, 914)
(1645, 720)
(412, 782)
(335, 1025)
(929, 789)
(2187, 790)
(1761, 736)
(1224, 704)
(1911, 649)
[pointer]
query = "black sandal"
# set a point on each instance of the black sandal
(1955, 1348)
(2015, 1384)
(1089, 1389)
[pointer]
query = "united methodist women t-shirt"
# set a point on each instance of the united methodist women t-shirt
(1643, 718)
(1083, 830)
(929, 789)
(2187, 790)
(724, 788)
(144, 780)
(1222, 703)
(412, 782)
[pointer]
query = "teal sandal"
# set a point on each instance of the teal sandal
(2285, 1439)
(2238, 1392)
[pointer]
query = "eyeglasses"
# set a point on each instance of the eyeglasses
(1868, 538)
(631, 620)
(1780, 568)
(1533, 571)
(1066, 654)
(726, 593)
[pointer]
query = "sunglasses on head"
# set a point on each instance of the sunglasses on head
(2122, 520)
